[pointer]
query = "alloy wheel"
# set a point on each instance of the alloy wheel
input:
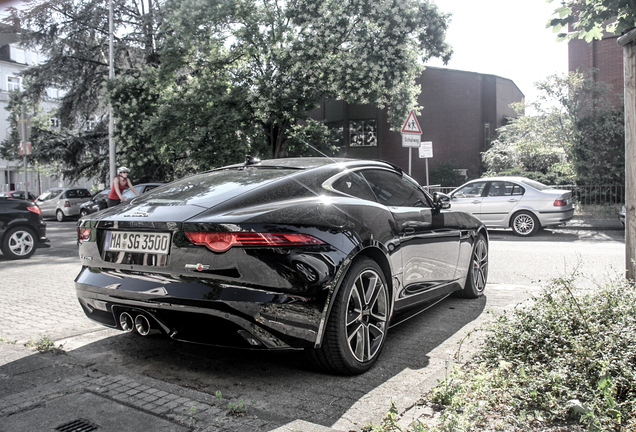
(480, 265)
(21, 243)
(523, 224)
(366, 316)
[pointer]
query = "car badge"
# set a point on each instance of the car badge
(197, 267)
(138, 214)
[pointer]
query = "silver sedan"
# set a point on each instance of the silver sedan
(514, 202)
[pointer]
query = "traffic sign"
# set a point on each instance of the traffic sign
(24, 151)
(411, 140)
(411, 125)
(426, 149)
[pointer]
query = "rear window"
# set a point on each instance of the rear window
(212, 187)
(78, 193)
(535, 184)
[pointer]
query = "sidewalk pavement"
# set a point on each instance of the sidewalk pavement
(593, 223)
(66, 392)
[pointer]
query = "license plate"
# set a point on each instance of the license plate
(129, 241)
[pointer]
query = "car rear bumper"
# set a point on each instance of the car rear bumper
(551, 218)
(201, 312)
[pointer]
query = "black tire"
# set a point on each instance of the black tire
(478, 270)
(59, 216)
(19, 243)
(83, 213)
(524, 224)
(357, 326)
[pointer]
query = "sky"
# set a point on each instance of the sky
(507, 38)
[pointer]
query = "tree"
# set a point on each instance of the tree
(574, 133)
(588, 19)
(73, 35)
(282, 59)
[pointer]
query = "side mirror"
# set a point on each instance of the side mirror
(441, 201)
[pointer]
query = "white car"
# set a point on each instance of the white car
(514, 202)
(62, 203)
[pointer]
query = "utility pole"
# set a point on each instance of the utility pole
(111, 74)
(628, 42)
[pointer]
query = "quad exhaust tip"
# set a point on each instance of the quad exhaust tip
(140, 323)
(126, 322)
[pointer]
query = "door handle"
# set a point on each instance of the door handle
(476, 202)
(513, 200)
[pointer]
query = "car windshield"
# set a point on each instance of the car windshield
(212, 187)
(535, 184)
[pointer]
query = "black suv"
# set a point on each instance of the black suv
(21, 228)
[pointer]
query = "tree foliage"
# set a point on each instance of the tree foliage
(73, 35)
(199, 83)
(574, 132)
(589, 19)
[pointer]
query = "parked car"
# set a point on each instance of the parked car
(312, 253)
(17, 194)
(514, 202)
(95, 204)
(100, 200)
(141, 188)
(62, 203)
(21, 228)
(621, 215)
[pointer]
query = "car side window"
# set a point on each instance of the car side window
(471, 190)
(71, 194)
(355, 185)
(504, 188)
(393, 190)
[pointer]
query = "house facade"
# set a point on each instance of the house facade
(13, 60)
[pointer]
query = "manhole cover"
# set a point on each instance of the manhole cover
(79, 425)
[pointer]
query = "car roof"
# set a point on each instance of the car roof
(500, 178)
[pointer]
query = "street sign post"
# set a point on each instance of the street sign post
(426, 152)
(411, 134)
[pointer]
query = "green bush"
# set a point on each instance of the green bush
(566, 357)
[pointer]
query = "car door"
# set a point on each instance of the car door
(500, 200)
(48, 202)
(429, 247)
(468, 198)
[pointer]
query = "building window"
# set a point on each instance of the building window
(363, 133)
(13, 83)
(487, 132)
(55, 123)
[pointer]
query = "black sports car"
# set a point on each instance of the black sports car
(311, 253)
(22, 229)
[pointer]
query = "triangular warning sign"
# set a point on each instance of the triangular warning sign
(411, 125)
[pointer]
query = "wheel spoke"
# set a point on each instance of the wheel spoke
(354, 308)
(356, 341)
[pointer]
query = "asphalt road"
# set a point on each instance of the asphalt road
(37, 299)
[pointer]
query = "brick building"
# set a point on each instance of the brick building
(461, 112)
(605, 55)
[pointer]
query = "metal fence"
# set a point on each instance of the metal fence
(583, 195)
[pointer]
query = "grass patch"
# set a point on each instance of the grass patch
(566, 360)
(44, 344)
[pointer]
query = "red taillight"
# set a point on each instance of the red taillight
(34, 209)
(67, 204)
(83, 234)
(223, 241)
(560, 203)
